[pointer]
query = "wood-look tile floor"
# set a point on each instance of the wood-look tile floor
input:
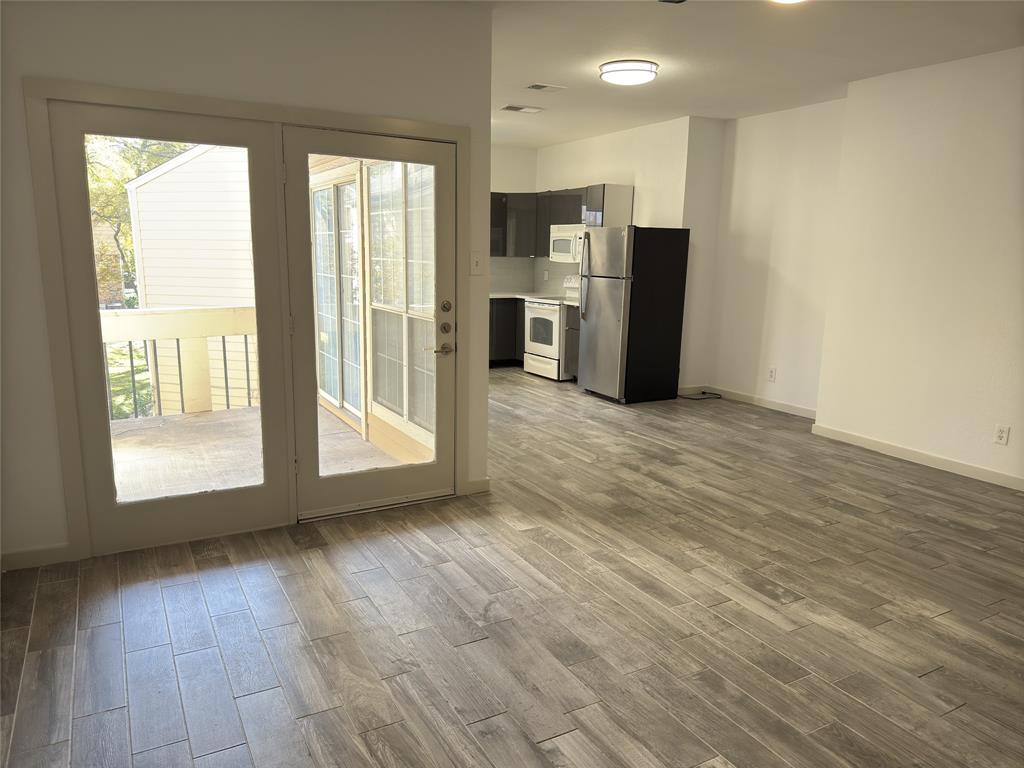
(661, 585)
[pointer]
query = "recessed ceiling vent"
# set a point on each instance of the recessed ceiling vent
(521, 108)
(545, 87)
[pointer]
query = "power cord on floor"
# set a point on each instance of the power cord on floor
(704, 395)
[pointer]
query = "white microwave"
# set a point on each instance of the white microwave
(565, 243)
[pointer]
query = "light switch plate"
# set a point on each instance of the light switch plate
(478, 263)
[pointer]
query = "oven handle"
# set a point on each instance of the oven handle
(584, 274)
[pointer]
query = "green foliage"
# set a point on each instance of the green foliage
(111, 162)
(119, 370)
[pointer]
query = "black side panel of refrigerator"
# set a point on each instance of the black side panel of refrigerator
(656, 313)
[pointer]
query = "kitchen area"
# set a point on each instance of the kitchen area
(579, 294)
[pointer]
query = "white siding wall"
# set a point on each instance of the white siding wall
(193, 248)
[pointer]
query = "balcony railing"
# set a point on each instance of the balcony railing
(179, 360)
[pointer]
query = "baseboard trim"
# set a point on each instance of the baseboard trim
(920, 457)
(742, 397)
(473, 487)
(32, 558)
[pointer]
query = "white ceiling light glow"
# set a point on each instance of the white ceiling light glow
(629, 71)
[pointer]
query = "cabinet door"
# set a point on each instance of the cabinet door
(594, 216)
(499, 217)
(521, 228)
(567, 206)
(502, 336)
(543, 223)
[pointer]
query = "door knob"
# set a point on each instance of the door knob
(444, 349)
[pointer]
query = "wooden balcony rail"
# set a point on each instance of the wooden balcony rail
(179, 360)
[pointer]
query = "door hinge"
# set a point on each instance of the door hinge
(295, 465)
(284, 173)
(291, 325)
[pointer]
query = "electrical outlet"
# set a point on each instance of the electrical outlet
(1002, 435)
(771, 375)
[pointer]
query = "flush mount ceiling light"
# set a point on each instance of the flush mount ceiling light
(629, 71)
(787, 2)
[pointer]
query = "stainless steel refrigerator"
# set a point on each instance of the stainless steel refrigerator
(632, 286)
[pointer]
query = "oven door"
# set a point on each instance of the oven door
(543, 329)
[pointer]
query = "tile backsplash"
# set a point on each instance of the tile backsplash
(556, 273)
(528, 275)
(508, 274)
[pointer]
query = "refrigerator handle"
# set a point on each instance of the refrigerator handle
(584, 274)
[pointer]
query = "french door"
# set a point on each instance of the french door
(168, 225)
(222, 382)
(371, 239)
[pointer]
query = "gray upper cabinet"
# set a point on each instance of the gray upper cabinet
(521, 227)
(499, 226)
(521, 221)
(608, 205)
(514, 224)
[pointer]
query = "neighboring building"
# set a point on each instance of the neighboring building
(193, 248)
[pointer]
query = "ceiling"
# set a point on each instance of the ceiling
(718, 58)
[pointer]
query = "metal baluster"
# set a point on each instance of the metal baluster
(181, 378)
(248, 382)
(110, 388)
(135, 392)
(224, 354)
(155, 380)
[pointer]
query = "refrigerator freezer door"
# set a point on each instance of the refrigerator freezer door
(603, 332)
(607, 252)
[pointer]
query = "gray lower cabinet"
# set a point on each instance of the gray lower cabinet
(506, 337)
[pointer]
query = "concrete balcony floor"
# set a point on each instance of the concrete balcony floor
(214, 450)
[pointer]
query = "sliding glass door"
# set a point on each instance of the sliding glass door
(337, 253)
(401, 244)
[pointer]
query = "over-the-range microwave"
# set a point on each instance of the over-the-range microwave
(565, 243)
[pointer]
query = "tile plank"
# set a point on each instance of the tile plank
(210, 714)
(154, 708)
(99, 670)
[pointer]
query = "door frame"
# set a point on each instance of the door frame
(38, 93)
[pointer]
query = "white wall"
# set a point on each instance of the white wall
(513, 169)
(776, 224)
(313, 55)
(924, 339)
(702, 184)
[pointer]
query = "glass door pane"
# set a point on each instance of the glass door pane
(351, 303)
(325, 274)
(172, 249)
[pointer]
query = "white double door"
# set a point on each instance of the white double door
(260, 319)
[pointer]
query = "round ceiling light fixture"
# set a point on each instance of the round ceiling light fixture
(629, 71)
(787, 2)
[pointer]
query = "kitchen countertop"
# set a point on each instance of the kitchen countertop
(545, 298)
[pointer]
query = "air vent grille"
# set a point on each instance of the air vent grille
(521, 108)
(546, 87)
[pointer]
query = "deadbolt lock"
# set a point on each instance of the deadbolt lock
(446, 305)
(445, 327)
